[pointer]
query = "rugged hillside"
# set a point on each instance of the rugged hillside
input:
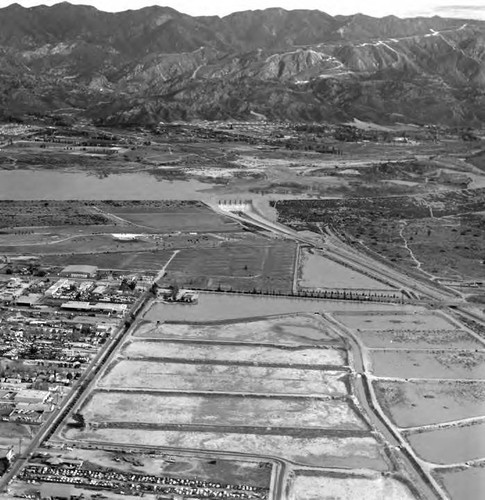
(157, 64)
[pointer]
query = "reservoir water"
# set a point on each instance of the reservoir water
(61, 185)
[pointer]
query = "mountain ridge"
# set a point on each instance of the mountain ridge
(152, 64)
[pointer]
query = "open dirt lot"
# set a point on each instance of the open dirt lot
(190, 220)
(156, 375)
(11, 432)
(287, 330)
(173, 465)
(125, 261)
(317, 451)
(429, 364)
(374, 487)
(451, 445)
(412, 404)
(395, 321)
(466, 484)
(319, 272)
(260, 264)
(304, 413)
(418, 339)
(235, 354)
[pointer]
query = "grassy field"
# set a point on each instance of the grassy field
(265, 265)
(220, 410)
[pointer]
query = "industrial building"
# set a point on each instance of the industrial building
(79, 271)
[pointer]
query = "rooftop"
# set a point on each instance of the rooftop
(80, 269)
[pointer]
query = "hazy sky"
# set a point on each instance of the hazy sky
(445, 8)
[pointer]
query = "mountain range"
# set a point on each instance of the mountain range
(156, 64)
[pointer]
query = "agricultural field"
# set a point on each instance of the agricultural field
(258, 265)
(377, 321)
(317, 451)
(237, 354)
(130, 407)
(411, 404)
(450, 445)
(445, 364)
(317, 272)
(123, 261)
(288, 330)
(337, 487)
(160, 375)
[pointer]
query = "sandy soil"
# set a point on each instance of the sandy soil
(220, 411)
(320, 451)
(349, 488)
(252, 354)
(149, 375)
(289, 330)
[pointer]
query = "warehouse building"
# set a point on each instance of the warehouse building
(76, 271)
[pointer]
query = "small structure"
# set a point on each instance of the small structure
(79, 271)
(31, 396)
(100, 307)
(29, 300)
(6, 453)
(125, 236)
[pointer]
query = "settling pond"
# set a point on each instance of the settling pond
(221, 306)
